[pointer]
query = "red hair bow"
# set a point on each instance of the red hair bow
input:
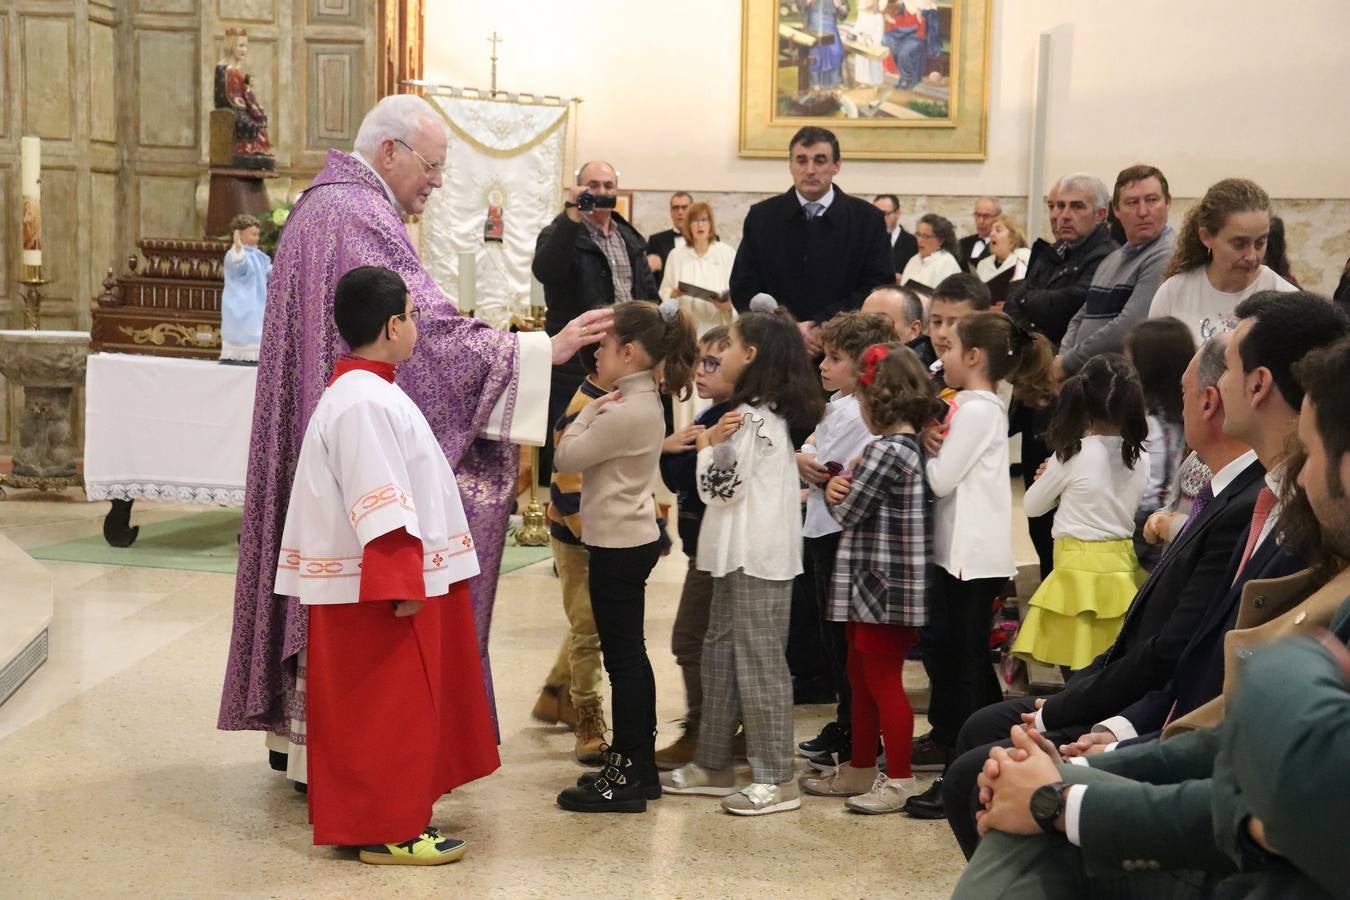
(873, 355)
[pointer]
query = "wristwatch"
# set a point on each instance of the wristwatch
(1047, 805)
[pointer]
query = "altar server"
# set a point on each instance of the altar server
(377, 546)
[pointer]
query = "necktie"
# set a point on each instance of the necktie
(1265, 502)
(813, 209)
(1202, 500)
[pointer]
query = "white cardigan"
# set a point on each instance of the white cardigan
(753, 519)
(972, 521)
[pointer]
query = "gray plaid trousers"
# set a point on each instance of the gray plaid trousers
(745, 677)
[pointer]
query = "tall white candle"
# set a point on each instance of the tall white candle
(31, 169)
(468, 281)
(536, 292)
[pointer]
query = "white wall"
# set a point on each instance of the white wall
(1202, 88)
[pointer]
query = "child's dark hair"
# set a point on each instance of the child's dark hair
(780, 376)
(1011, 354)
(665, 335)
(364, 301)
(851, 333)
(1106, 389)
(1160, 350)
(716, 338)
(964, 288)
(895, 387)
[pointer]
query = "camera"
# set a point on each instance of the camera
(586, 201)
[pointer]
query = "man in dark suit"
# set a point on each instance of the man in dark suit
(975, 247)
(903, 244)
(1162, 617)
(1170, 818)
(815, 249)
(660, 244)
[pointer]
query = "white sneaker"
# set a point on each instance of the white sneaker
(763, 799)
(691, 778)
(888, 795)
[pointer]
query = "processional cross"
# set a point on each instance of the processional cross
(494, 41)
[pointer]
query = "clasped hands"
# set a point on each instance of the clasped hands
(726, 426)
(1089, 744)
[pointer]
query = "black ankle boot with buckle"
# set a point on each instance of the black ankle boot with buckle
(621, 786)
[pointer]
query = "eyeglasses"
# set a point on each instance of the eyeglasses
(710, 364)
(415, 314)
(427, 167)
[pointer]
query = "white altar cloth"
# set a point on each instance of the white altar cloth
(158, 428)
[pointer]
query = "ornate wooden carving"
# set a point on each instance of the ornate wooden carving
(167, 306)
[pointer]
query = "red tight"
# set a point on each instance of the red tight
(876, 660)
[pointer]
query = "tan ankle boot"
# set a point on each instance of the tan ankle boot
(679, 753)
(845, 781)
(590, 735)
(554, 706)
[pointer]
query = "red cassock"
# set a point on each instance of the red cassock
(397, 709)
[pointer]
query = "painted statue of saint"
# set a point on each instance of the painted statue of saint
(234, 91)
(245, 296)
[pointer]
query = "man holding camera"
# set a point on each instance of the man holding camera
(587, 257)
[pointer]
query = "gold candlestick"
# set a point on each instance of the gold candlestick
(533, 531)
(33, 283)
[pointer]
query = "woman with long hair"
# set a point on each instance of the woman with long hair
(1219, 259)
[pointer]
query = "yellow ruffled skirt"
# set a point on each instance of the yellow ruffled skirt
(1077, 612)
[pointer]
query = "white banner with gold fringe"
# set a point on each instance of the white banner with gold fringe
(504, 167)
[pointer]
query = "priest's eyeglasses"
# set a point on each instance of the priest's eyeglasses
(429, 168)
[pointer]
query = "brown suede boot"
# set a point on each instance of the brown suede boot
(554, 706)
(679, 753)
(590, 735)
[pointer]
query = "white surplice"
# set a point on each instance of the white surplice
(393, 475)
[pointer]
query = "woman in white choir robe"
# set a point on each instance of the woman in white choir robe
(704, 262)
(938, 254)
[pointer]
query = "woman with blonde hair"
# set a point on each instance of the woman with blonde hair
(1007, 251)
(703, 262)
(1219, 259)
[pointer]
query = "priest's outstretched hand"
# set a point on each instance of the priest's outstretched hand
(587, 328)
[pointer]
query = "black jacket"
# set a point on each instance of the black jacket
(968, 255)
(661, 244)
(1192, 576)
(1054, 289)
(575, 272)
(905, 246)
(848, 255)
(1198, 676)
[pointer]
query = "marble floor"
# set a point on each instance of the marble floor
(114, 781)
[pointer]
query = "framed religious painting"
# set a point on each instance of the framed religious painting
(894, 79)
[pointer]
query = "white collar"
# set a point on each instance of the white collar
(388, 192)
(823, 201)
(1221, 479)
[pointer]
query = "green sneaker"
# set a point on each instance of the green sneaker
(430, 848)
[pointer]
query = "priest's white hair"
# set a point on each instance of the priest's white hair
(397, 117)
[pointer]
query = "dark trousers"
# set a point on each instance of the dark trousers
(985, 729)
(819, 564)
(956, 653)
(618, 579)
(805, 656)
(1032, 424)
(686, 640)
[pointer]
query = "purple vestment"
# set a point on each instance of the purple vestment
(459, 370)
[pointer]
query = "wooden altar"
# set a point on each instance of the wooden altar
(167, 305)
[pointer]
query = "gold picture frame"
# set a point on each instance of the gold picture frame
(789, 78)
